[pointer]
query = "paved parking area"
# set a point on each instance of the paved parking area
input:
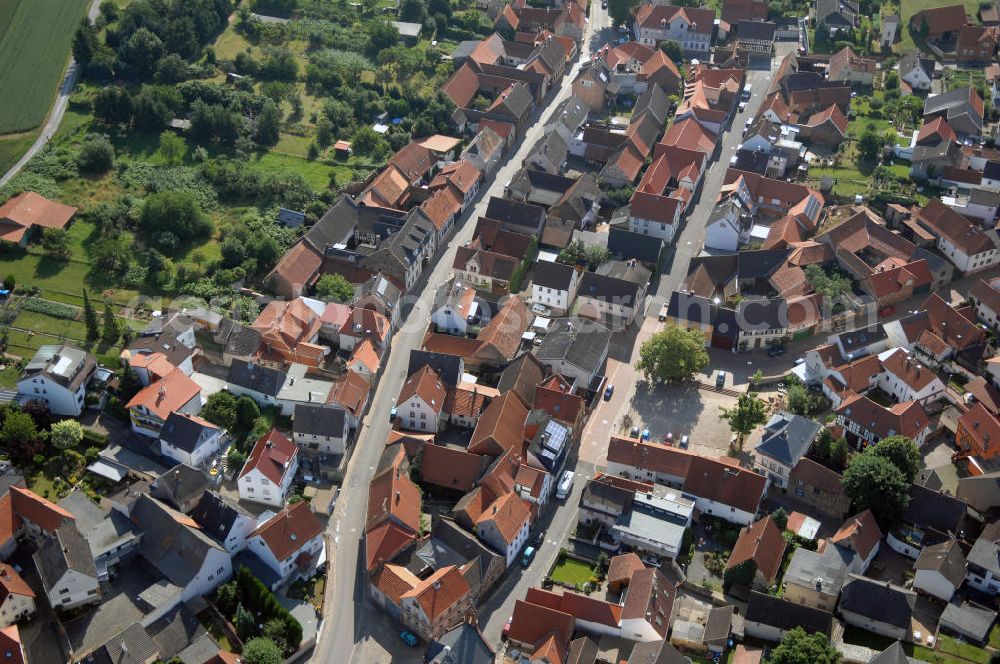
(683, 409)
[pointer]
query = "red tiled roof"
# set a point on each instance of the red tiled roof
(384, 541)
(939, 129)
(713, 479)
(426, 384)
(949, 18)
(500, 427)
(860, 533)
(656, 208)
(366, 324)
(530, 623)
(650, 597)
(833, 115)
(439, 592)
(28, 505)
(623, 566)
(958, 230)
(289, 530)
(504, 330)
(984, 428)
(813, 474)
(468, 399)
(463, 85)
(905, 419)
(650, 456)
(29, 209)
(394, 494)
(394, 581)
(451, 468)
(581, 607)
(444, 204)
(166, 395)
(762, 543)
(272, 455)
(562, 406)
(782, 233)
(10, 645)
(910, 371)
(11, 583)
(351, 392)
(509, 513)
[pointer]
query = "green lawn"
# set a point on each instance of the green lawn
(964, 650)
(995, 636)
(572, 572)
(67, 277)
(13, 147)
(34, 49)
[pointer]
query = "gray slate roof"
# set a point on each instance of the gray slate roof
(179, 485)
(787, 437)
(68, 550)
(186, 433)
(216, 515)
(237, 338)
(785, 615)
(968, 619)
(131, 646)
(261, 379)
(318, 420)
(602, 287)
(894, 654)
(582, 343)
(549, 274)
(879, 601)
(462, 644)
(174, 549)
(986, 551)
(823, 571)
(946, 558)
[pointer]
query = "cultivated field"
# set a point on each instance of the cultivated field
(35, 39)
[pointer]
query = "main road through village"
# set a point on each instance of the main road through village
(350, 622)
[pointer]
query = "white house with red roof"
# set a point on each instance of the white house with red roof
(10, 645)
(421, 400)
(18, 597)
(175, 392)
(268, 474)
(504, 525)
(290, 542)
(906, 379)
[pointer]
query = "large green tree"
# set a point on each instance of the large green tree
(749, 412)
(901, 452)
(220, 408)
(672, 354)
(66, 434)
(798, 647)
(874, 483)
(259, 650)
(89, 317)
(621, 10)
(175, 212)
(334, 287)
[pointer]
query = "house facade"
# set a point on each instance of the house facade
(269, 472)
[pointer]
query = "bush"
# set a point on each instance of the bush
(262, 602)
(97, 155)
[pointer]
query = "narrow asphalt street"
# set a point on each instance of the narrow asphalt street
(348, 613)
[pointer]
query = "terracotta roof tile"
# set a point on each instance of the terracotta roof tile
(440, 592)
(272, 455)
(530, 623)
(384, 541)
(351, 392)
(394, 581)
(737, 487)
(166, 395)
(500, 427)
(622, 566)
(650, 456)
(426, 384)
(763, 543)
(393, 494)
(29, 506)
(451, 468)
(504, 330)
(289, 530)
(509, 513)
(860, 533)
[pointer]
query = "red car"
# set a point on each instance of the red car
(887, 310)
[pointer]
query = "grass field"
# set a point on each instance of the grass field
(35, 40)
(13, 146)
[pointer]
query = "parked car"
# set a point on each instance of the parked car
(392, 414)
(506, 629)
(651, 560)
(608, 392)
(720, 380)
(645, 434)
(540, 309)
(409, 638)
(684, 442)
(776, 351)
(669, 438)
(538, 539)
(634, 433)
(527, 557)
(743, 106)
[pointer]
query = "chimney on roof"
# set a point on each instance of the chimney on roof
(397, 497)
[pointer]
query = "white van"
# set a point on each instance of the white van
(746, 91)
(565, 485)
